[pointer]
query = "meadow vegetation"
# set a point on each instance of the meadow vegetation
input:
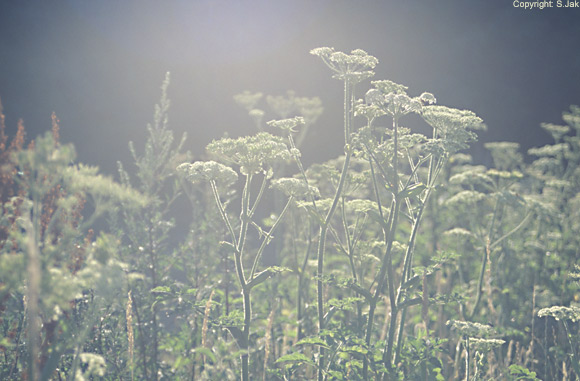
(401, 259)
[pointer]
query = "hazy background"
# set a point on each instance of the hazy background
(99, 64)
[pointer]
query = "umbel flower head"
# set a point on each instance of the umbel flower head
(309, 108)
(254, 154)
(287, 125)
(248, 100)
(446, 118)
(295, 188)
(561, 313)
(392, 98)
(282, 105)
(485, 345)
(354, 67)
(452, 127)
(470, 329)
(369, 111)
(202, 171)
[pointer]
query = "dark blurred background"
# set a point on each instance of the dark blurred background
(100, 64)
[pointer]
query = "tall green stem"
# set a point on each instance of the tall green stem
(388, 259)
(484, 258)
(325, 224)
(386, 269)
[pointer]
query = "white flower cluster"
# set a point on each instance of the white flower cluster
(464, 198)
(354, 67)
(369, 111)
(452, 128)
(449, 119)
(93, 365)
(470, 329)
(506, 155)
(572, 118)
(392, 98)
(248, 100)
(282, 105)
(202, 171)
(287, 125)
(485, 345)
(555, 130)
(362, 206)
(552, 150)
(561, 313)
(309, 108)
(254, 154)
(295, 188)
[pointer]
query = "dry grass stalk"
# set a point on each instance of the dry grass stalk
(267, 340)
(130, 335)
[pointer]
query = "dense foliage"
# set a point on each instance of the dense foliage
(400, 259)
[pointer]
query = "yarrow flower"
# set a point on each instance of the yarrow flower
(354, 67)
(202, 171)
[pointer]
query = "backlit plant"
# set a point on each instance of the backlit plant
(346, 269)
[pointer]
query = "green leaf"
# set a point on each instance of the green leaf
(361, 291)
(313, 340)
(161, 290)
(239, 336)
(296, 358)
(522, 373)
(357, 349)
(411, 191)
(206, 352)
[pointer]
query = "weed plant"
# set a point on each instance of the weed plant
(400, 259)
